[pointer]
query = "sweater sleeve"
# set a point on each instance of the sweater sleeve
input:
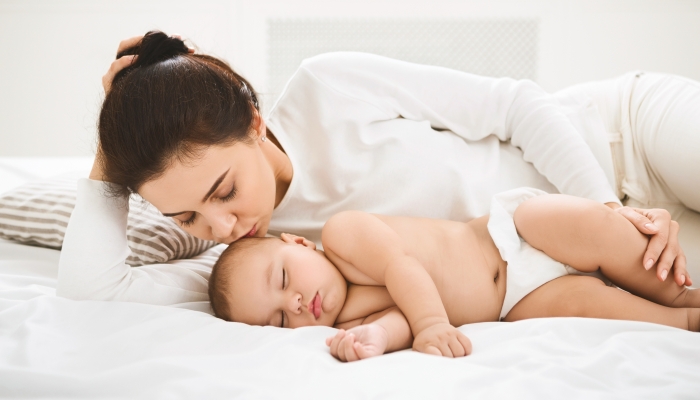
(516, 111)
(92, 262)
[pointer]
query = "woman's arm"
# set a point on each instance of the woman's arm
(473, 107)
(92, 263)
(516, 111)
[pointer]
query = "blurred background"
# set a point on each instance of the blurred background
(54, 52)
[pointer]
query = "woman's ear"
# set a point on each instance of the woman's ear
(259, 126)
(291, 239)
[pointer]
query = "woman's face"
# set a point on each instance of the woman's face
(224, 195)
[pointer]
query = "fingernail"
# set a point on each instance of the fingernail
(651, 227)
(664, 273)
(649, 264)
(682, 279)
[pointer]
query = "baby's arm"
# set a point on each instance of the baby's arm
(362, 242)
(381, 332)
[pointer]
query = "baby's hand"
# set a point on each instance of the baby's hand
(442, 340)
(358, 343)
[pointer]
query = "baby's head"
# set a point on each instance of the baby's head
(281, 282)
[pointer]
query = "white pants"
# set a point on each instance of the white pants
(652, 122)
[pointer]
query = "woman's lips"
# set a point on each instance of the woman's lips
(315, 306)
(252, 232)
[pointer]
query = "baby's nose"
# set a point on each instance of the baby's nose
(295, 303)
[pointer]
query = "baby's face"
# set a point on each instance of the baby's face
(286, 284)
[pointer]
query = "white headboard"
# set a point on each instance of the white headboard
(493, 47)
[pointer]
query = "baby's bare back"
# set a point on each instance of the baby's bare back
(462, 260)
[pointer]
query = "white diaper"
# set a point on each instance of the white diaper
(528, 268)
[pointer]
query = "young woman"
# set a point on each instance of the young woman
(350, 131)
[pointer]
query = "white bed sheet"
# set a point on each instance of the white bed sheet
(56, 348)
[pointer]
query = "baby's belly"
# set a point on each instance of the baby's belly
(473, 287)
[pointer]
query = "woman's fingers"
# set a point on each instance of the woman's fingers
(680, 273)
(663, 249)
(650, 222)
(672, 258)
(640, 219)
(121, 62)
(117, 65)
(130, 42)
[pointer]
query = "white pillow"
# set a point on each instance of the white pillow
(37, 214)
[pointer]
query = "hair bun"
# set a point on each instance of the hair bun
(155, 47)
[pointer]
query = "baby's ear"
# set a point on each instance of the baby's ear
(289, 238)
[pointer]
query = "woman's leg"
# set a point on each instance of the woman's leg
(658, 118)
(665, 123)
(589, 236)
(689, 239)
(584, 296)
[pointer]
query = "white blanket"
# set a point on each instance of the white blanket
(56, 348)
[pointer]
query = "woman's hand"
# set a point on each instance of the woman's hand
(121, 62)
(124, 61)
(358, 343)
(663, 249)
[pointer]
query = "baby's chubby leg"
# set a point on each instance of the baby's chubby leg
(588, 297)
(587, 236)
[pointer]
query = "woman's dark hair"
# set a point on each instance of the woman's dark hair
(169, 105)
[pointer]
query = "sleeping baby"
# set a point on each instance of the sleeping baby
(390, 283)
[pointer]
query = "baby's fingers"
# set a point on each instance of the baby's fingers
(432, 350)
(362, 352)
(350, 353)
(460, 345)
(457, 348)
(466, 343)
(335, 341)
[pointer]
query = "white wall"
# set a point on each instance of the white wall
(54, 52)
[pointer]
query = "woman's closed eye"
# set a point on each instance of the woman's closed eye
(230, 195)
(187, 222)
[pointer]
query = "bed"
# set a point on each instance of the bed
(52, 347)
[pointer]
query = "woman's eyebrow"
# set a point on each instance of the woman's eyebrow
(206, 196)
(215, 185)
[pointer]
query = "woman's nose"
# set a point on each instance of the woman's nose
(222, 226)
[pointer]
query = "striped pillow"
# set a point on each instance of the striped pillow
(37, 214)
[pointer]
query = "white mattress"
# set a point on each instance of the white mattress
(52, 347)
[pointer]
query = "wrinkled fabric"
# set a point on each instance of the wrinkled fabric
(53, 347)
